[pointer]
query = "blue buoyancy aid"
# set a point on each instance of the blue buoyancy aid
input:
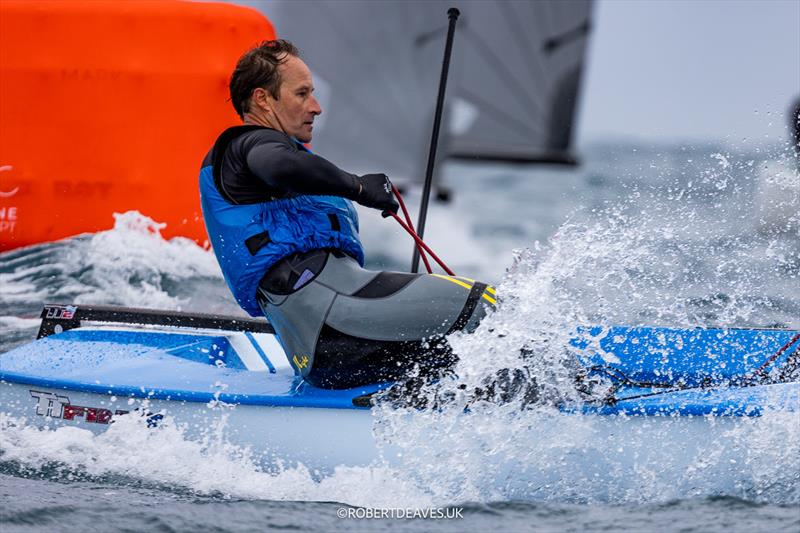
(249, 238)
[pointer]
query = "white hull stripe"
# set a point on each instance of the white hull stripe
(260, 352)
(247, 354)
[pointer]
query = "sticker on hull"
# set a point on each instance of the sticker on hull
(58, 406)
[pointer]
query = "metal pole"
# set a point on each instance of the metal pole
(452, 14)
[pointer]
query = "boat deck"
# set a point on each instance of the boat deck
(238, 368)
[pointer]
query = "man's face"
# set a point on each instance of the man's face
(296, 106)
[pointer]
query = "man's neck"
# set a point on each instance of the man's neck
(262, 119)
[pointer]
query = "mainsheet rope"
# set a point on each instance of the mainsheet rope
(409, 227)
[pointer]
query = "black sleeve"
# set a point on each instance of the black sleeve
(280, 165)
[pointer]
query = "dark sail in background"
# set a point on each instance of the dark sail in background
(519, 66)
(513, 86)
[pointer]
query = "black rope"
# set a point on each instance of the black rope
(758, 377)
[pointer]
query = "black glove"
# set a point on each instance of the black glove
(376, 191)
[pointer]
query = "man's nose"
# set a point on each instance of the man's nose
(315, 107)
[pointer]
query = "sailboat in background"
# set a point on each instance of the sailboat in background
(512, 93)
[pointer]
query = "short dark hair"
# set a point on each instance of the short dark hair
(258, 67)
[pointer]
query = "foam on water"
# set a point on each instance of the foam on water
(210, 465)
(497, 455)
(132, 264)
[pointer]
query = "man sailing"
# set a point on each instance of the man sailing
(285, 233)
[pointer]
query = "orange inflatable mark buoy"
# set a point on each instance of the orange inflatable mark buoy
(109, 106)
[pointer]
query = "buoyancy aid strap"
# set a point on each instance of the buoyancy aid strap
(257, 242)
(218, 154)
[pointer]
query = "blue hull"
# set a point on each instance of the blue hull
(659, 371)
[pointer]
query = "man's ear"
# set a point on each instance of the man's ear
(262, 99)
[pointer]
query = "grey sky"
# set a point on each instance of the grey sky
(668, 70)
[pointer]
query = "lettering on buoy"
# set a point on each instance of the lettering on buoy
(8, 218)
(82, 189)
(12, 192)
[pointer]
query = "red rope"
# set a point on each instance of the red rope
(421, 243)
(411, 225)
(421, 246)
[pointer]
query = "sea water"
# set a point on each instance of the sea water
(659, 235)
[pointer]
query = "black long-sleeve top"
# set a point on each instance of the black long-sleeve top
(263, 164)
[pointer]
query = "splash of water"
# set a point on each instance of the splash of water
(670, 255)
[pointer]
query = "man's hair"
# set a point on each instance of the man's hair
(258, 67)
